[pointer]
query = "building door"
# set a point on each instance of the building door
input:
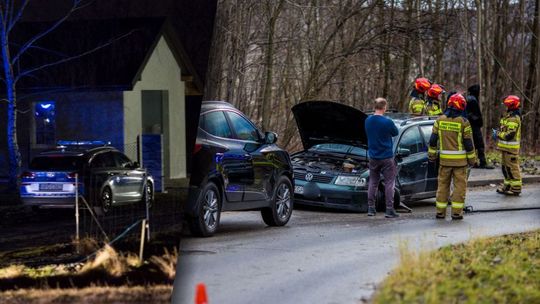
(155, 121)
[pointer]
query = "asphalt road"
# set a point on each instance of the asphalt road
(331, 257)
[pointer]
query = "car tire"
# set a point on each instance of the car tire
(106, 200)
(381, 202)
(148, 192)
(206, 222)
(280, 210)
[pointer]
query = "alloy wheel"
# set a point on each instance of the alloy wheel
(210, 209)
(283, 201)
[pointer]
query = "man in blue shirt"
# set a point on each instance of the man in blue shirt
(380, 131)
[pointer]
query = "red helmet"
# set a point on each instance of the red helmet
(512, 102)
(434, 91)
(422, 84)
(457, 101)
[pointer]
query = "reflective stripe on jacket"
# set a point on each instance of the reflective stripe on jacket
(433, 109)
(417, 106)
(509, 133)
(453, 141)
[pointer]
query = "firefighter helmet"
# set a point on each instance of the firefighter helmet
(457, 101)
(512, 102)
(422, 84)
(434, 91)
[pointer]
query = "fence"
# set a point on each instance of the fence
(121, 221)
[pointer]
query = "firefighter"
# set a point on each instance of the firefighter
(433, 103)
(508, 137)
(452, 140)
(417, 104)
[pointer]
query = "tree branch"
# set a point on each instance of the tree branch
(76, 5)
(16, 19)
(47, 65)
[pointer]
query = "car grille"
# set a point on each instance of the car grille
(317, 178)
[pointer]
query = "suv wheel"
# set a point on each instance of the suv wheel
(380, 202)
(207, 220)
(106, 200)
(279, 213)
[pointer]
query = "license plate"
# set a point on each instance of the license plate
(299, 189)
(50, 187)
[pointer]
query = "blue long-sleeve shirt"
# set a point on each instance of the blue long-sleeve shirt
(380, 131)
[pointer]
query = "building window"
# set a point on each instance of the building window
(45, 122)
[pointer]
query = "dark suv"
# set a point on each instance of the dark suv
(332, 171)
(106, 178)
(236, 167)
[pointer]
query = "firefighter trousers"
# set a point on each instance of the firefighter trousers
(457, 176)
(511, 172)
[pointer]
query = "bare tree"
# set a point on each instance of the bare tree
(11, 12)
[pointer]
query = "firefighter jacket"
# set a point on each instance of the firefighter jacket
(509, 133)
(417, 106)
(433, 107)
(452, 139)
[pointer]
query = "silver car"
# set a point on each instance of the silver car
(106, 178)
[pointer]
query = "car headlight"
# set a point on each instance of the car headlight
(354, 181)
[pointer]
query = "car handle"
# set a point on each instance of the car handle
(111, 174)
(424, 164)
(248, 156)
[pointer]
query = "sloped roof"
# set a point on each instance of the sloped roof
(118, 50)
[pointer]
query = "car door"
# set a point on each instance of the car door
(412, 175)
(103, 173)
(433, 167)
(232, 163)
(257, 187)
(131, 180)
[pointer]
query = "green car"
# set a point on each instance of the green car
(332, 170)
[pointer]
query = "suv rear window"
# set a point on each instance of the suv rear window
(56, 163)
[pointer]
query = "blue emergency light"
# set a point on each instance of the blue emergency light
(65, 143)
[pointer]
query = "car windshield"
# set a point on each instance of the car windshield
(59, 163)
(338, 148)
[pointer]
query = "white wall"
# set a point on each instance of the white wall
(160, 73)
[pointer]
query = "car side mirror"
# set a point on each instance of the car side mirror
(403, 152)
(135, 165)
(270, 138)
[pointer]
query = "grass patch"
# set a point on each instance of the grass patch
(90, 295)
(108, 267)
(496, 270)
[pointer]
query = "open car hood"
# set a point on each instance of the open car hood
(329, 122)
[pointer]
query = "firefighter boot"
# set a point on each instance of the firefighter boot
(503, 188)
(441, 210)
(457, 213)
(457, 210)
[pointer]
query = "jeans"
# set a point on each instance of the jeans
(389, 171)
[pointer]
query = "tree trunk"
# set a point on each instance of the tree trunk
(269, 64)
(530, 88)
(13, 147)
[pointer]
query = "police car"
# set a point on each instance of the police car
(103, 175)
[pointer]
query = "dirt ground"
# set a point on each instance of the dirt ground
(46, 237)
(138, 294)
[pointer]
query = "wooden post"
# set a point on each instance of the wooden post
(77, 236)
(141, 248)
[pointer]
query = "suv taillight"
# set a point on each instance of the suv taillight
(197, 148)
(28, 175)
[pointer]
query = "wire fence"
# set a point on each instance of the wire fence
(163, 217)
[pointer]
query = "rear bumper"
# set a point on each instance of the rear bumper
(332, 196)
(49, 202)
